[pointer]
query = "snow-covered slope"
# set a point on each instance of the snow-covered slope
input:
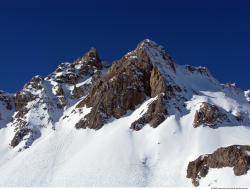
(152, 118)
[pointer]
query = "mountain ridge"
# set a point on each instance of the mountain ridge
(145, 93)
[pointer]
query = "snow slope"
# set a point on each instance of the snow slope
(116, 155)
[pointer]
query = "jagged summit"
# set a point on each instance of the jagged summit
(147, 43)
(149, 51)
(140, 74)
(90, 58)
(150, 120)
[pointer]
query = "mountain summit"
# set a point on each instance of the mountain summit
(141, 121)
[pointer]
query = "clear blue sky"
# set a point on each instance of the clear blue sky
(37, 35)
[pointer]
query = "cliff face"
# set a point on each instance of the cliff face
(129, 82)
(141, 121)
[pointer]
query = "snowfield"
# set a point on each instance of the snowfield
(117, 156)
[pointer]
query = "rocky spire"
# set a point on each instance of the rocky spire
(91, 58)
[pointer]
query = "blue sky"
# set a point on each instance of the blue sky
(36, 36)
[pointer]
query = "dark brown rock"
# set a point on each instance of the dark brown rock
(201, 70)
(157, 82)
(209, 115)
(20, 134)
(35, 83)
(235, 156)
(91, 58)
(70, 78)
(127, 84)
(87, 65)
(79, 92)
(154, 116)
(21, 99)
(114, 95)
(143, 51)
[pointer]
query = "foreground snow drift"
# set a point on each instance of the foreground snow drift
(117, 156)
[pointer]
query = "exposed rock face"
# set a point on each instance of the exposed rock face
(236, 156)
(158, 84)
(35, 83)
(154, 116)
(26, 134)
(20, 134)
(91, 58)
(22, 99)
(114, 95)
(82, 67)
(209, 115)
(201, 70)
(127, 84)
(46, 98)
(79, 92)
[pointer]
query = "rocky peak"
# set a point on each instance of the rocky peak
(156, 54)
(90, 58)
(43, 97)
(141, 73)
(72, 73)
(35, 83)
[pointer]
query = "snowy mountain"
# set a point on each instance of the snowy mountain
(143, 121)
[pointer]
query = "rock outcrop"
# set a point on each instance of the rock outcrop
(209, 115)
(200, 70)
(236, 156)
(46, 98)
(72, 73)
(20, 134)
(154, 116)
